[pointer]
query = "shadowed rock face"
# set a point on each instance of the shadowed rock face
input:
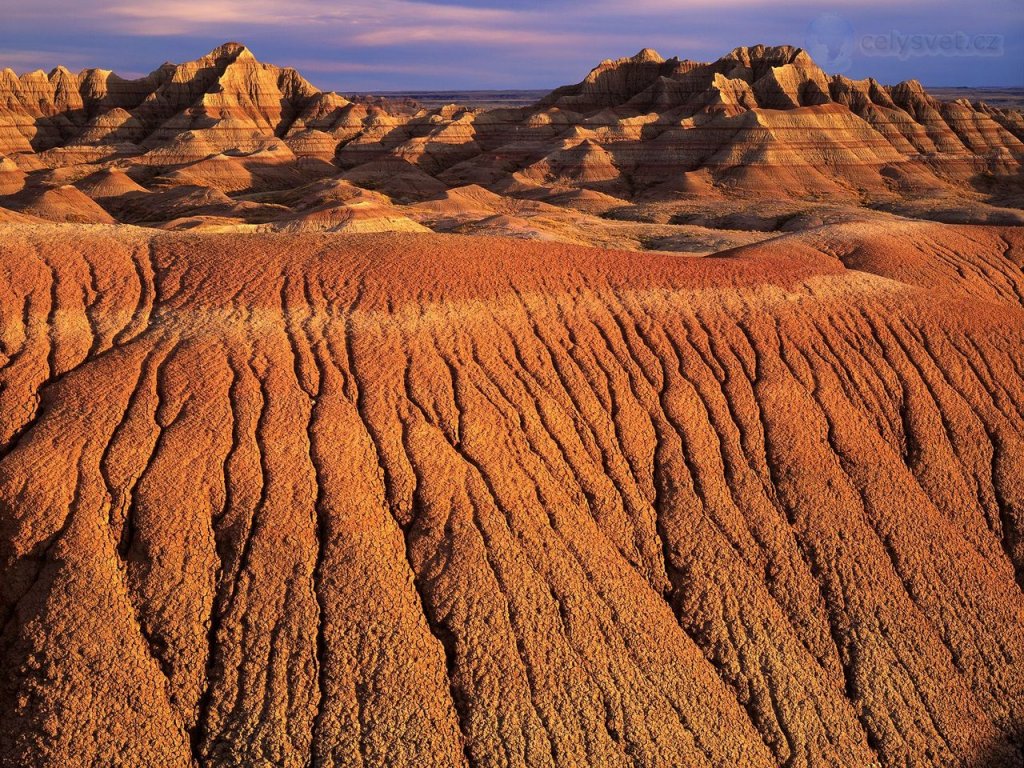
(96, 107)
(430, 500)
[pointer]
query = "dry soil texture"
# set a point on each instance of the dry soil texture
(415, 500)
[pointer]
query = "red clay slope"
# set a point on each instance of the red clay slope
(420, 500)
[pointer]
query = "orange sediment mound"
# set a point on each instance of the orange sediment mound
(414, 499)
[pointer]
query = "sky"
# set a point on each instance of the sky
(388, 45)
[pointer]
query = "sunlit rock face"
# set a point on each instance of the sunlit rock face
(633, 127)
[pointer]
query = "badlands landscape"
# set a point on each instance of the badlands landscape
(674, 420)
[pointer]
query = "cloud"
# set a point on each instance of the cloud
(675, 7)
(321, 66)
(362, 23)
(474, 35)
(479, 43)
(32, 59)
(197, 17)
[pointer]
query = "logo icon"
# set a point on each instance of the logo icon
(829, 40)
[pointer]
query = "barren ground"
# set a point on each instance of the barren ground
(416, 499)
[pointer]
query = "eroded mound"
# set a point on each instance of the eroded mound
(393, 500)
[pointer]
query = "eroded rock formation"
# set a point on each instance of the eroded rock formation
(642, 130)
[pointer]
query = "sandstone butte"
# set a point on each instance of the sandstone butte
(625, 158)
(328, 439)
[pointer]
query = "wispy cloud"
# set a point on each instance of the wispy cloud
(321, 66)
(360, 44)
(474, 35)
(32, 59)
(690, 7)
(197, 17)
(364, 23)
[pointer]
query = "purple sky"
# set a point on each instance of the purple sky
(457, 44)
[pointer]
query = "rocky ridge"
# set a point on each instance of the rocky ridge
(645, 132)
